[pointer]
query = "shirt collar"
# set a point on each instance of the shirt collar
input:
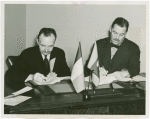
(48, 57)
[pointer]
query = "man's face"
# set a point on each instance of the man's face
(118, 34)
(46, 43)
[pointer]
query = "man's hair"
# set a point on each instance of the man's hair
(47, 32)
(121, 22)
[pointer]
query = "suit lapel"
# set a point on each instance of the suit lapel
(39, 59)
(107, 55)
(52, 59)
(52, 54)
(120, 55)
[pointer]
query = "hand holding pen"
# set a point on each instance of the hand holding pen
(103, 71)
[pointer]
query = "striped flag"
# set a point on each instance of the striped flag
(77, 75)
(93, 65)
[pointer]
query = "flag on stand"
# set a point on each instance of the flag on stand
(77, 75)
(93, 65)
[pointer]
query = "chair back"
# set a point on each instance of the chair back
(11, 60)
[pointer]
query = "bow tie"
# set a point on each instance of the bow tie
(113, 45)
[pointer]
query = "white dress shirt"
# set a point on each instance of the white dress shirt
(48, 56)
(113, 51)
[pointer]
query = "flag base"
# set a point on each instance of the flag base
(86, 96)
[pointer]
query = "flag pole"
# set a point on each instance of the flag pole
(90, 81)
(82, 59)
(98, 65)
(93, 86)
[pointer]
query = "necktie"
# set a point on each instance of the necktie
(113, 45)
(47, 67)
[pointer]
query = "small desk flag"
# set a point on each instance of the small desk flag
(93, 64)
(77, 75)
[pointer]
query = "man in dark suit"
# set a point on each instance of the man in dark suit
(118, 56)
(33, 63)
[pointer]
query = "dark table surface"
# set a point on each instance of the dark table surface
(73, 103)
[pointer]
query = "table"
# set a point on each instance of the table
(72, 103)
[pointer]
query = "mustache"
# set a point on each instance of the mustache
(116, 39)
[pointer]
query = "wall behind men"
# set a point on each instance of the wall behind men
(15, 30)
(89, 22)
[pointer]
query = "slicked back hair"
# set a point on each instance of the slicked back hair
(121, 22)
(47, 32)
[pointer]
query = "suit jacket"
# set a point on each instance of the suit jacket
(30, 62)
(126, 57)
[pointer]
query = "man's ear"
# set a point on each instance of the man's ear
(37, 41)
(110, 29)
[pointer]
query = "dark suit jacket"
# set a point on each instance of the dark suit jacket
(30, 62)
(127, 56)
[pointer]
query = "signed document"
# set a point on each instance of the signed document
(109, 79)
(15, 100)
(25, 89)
(52, 80)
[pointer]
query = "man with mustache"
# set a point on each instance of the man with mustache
(34, 63)
(118, 56)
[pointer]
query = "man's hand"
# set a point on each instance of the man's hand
(103, 71)
(117, 75)
(38, 77)
(52, 74)
(125, 73)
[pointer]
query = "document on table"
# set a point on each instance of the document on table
(19, 92)
(25, 89)
(52, 80)
(139, 78)
(15, 100)
(108, 79)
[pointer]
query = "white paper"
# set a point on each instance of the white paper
(103, 86)
(106, 80)
(109, 79)
(52, 80)
(139, 78)
(15, 100)
(22, 91)
(64, 78)
(10, 96)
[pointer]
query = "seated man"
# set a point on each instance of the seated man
(33, 63)
(118, 56)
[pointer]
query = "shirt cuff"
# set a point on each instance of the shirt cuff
(30, 77)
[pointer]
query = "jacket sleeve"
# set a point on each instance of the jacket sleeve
(63, 67)
(18, 72)
(134, 63)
